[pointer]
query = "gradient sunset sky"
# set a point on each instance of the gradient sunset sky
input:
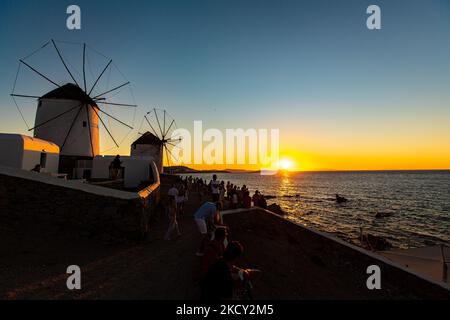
(343, 97)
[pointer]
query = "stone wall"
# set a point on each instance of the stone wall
(50, 208)
(324, 266)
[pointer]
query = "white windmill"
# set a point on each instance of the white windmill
(156, 138)
(71, 114)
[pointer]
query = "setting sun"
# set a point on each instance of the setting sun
(285, 164)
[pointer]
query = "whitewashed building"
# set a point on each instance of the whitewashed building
(24, 152)
(135, 170)
(149, 145)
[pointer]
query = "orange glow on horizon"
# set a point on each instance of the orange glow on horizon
(299, 161)
(318, 153)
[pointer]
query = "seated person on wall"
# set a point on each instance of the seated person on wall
(37, 168)
(115, 168)
(246, 200)
(255, 198)
(262, 203)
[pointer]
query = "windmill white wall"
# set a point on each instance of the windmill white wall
(23, 152)
(136, 169)
(79, 140)
(149, 150)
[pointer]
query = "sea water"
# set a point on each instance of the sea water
(413, 207)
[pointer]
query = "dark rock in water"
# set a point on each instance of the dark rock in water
(291, 196)
(380, 215)
(268, 197)
(340, 199)
(377, 243)
(276, 209)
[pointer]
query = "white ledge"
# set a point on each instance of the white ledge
(77, 185)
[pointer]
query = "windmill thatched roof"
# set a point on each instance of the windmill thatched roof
(148, 138)
(69, 91)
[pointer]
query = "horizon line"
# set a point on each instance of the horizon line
(318, 170)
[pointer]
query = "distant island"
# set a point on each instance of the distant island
(187, 170)
(184, 170)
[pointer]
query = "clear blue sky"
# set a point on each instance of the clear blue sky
(310, 68)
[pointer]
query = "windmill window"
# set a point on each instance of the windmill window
(84, 124)
(43, 160)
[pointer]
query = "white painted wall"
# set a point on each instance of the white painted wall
(24, 152)
(100, 167)
(137, 169)
(148, 150)
(32, 158)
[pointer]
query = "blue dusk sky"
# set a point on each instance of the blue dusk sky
(343, 96)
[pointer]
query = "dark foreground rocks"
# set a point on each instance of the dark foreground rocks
(275, 208)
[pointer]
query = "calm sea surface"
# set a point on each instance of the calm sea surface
(415, 204)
